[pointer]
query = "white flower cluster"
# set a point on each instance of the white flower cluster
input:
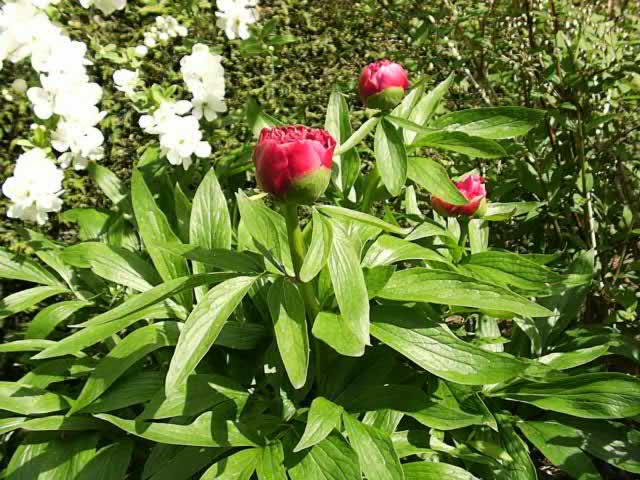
(65, 95)
(203, 75)
(35, 187)
(166, 27)
(126, 81)
(105, 6)
(177, 122)
(180, 134)
(235, 16)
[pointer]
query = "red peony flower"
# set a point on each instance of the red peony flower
(472, 187)
(294, 162)
(383, 84)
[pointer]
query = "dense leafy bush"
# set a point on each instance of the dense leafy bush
(447, 308)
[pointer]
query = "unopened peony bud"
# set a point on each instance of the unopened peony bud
(472, 187)
(294, 162)
(383, 85)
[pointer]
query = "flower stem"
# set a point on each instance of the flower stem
(298, 251)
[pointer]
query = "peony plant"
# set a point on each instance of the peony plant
(312, 327)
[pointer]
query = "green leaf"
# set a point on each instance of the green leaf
(20, 301)
(439, 410)
(430, 229)
(323, 417)
(257, 119)
(241, 335)
(435, 471)
(268, 228)
(498, 212)
(239, 466)
(205, 431)
(210, 224)
(110, 462)
(121, 266)
(333, 330)
(126, 353)
(32, 345)
(155, 295)
(15, 267)
(270, 465)
(391, 157)
(576, 358)
(433, 177)
(404, 109)
(47, 319)
(494, 122)
(46, 458)
(290, 327)
(478, 235)
(349, 286)
(448, 288)
(460, 142)
(203, 327)
(375, 450)
(512, 269)
(29, 400)
(358, 136)
(110, 185)
(387, 250)
(187, 462)
(613, 442)
(318, 253)
(427, 106)
(588, 395)
(561, 445)
(347, 165)
(138, 387)
(439, 351)
(154, 228)
(182, 206)
(362, 218)
(330, 459)
(520, 467)
(58, 370)
(228, 260)
(405, 124)
(52, 423)
(96, 333)
(199, 393)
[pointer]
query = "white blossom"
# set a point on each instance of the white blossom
(107, 7)
(126, 80)
(183, 139)
(160, 120)
(165, 27)
(203, 74)
(82, 142)
(141, 50)
(22, 26)
(35, 187)
(235, 16)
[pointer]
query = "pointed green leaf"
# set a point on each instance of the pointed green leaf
(391, 157)
(433, 177)
(203, 327)
(323, 417)
(375, 450)
(290, 327)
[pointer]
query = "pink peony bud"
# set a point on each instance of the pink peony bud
(294, 162)
(383, 84)
(472, 187)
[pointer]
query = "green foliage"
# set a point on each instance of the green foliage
(184, 335)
